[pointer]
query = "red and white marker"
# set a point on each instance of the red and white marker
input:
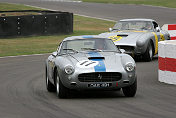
(171, 28)
(167, 61)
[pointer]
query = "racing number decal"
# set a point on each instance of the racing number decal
(115, 38)
(156, 42)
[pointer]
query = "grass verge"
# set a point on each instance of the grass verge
(164, 3)
(47, 44)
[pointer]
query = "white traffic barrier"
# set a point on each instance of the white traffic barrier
(171, 28)
(167, 61)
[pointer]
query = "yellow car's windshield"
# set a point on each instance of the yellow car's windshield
(133, 25)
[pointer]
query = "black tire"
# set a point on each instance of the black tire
(61, 90)
(49, 86)
(130, 91)
(137, 58)
(148, 55)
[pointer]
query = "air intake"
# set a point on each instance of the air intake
(90, 58)
(100, 77)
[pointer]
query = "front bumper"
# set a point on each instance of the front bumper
(72, 82)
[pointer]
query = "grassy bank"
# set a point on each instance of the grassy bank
(47, 44)
(164, 3)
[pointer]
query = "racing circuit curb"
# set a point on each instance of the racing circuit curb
(167, 61)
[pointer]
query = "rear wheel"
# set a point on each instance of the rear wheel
(49, 86)
(130, 91)
(61, 90)
(148, 55)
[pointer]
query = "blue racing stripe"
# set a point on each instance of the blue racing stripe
(101, 66)
(87, 36)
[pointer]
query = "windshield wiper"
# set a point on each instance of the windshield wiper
(130, 29)
(88, 49)
(71, 50)
(93, 49)
(110, 51)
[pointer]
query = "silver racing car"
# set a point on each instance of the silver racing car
(138, 37)
(90, 63)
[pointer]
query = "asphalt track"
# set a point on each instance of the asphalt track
(23, 93)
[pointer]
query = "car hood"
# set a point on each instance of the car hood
(98, 61)
(124, 37)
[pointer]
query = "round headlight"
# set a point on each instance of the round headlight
(129, 67)
(69, 69)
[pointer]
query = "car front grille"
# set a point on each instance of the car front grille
(100, 77)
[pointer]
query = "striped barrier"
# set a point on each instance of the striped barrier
(167, 61)
(171, 28)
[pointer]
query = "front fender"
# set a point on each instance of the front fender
(142, 43)
(128, 59)
(60, 64)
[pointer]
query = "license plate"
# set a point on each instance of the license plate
(100, 85)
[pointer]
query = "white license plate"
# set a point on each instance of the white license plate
(99, 85)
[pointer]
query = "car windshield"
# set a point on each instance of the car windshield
(93, 44)
(133, 25)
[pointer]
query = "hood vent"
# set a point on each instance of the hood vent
(90, 58)
(122, 35)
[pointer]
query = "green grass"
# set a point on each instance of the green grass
(165, 3)
(48, 44)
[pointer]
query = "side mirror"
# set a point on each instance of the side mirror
(54, 54)
(110, 29)
(157, 29)
(122, 50)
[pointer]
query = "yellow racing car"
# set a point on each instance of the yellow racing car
(138, 37)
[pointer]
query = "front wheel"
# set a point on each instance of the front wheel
(148, 55)
(49, 86)
(61, 90)
(130, 91)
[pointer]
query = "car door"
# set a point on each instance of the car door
(158, 35)
(158, 32)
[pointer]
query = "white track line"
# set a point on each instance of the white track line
(24, 55)
(51, 10)
(74, 14)
(62, 1)
(96, 18)
(157, 6)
